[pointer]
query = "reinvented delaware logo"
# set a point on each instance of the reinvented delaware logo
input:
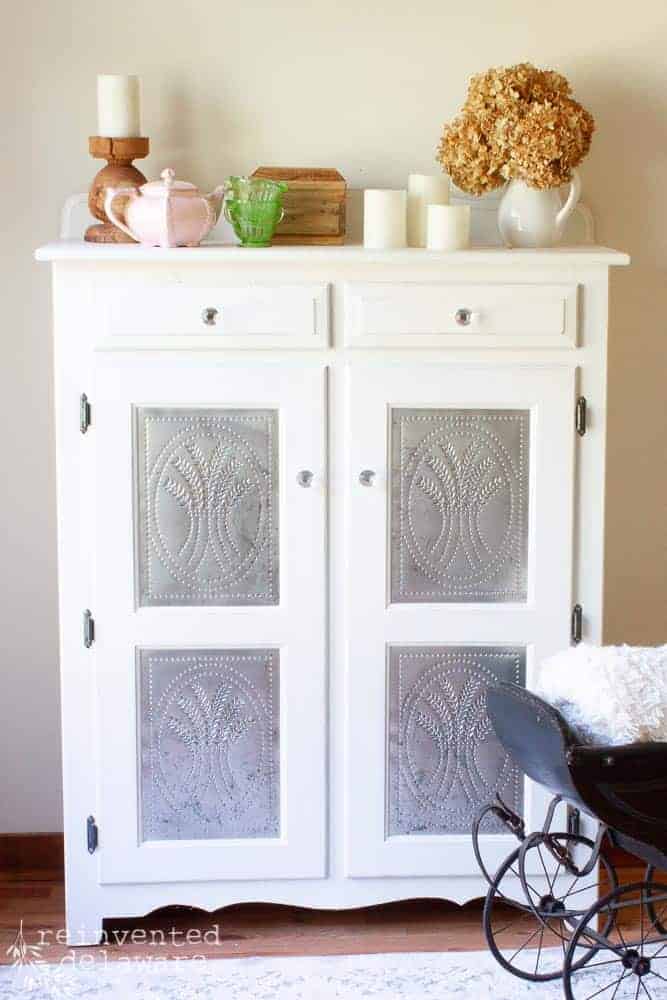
(23, 954)
(33, 976)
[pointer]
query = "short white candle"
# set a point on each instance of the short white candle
(424, 190)
(118, 107)
(448, 227)
(384, 219)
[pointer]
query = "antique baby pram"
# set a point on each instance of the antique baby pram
(560, 889)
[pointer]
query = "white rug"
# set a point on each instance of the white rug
(446, 976)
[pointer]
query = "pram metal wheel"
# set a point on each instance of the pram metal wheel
(630, 961)
(532, 906)
(566, 861)
(614, 947)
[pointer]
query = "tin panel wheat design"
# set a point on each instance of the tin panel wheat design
(444, 759)
(208, 733)
(459, 496)
(207, 507)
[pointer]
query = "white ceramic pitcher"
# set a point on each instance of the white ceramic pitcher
(528, 217)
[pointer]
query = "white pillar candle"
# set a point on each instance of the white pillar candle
(424, 190)
(118, 107)
(448, 227)
(384, 219)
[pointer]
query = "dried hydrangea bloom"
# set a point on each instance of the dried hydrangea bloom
(468, 156)
(500, 130)
(548, 142)
(510, 90)
(518, 121)
(547, 84)
(499, 90)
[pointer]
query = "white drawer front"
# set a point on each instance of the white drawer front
(247, 316)
(415, 314)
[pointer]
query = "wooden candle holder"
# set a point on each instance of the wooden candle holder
(119, 172)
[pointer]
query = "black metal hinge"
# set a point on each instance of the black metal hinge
(92, 834)
(84, 413)
(576, 623)
(580, 415)
(88, 629)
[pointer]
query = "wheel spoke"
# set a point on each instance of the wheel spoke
(539, 951)
(501, 930)
(657, 953)
(643, 985)
(527, 941)
(620, 934)
(639, 982)
(527, 882)
(544, 867)
(614, 982)
(641, 922)
(555, 879)
(595, 885)
(625, 973)
(572, 883)
(571, 891)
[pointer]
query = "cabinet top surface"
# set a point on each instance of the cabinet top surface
(78, 250)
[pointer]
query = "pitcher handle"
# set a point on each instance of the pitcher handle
(225, 208)
(112, 193)
(571, 201)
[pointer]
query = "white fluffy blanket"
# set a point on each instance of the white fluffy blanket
(609, 694)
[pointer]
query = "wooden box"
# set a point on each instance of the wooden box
(314, 205)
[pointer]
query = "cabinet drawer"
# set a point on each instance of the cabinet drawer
(439, 315)
(240, 316)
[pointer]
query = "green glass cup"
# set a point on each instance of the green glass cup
(254, 208)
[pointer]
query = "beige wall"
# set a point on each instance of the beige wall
(360, 86)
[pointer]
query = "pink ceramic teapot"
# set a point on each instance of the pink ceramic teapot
(166, 213)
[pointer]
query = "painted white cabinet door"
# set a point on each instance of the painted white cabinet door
(210, 620)
(459, 527)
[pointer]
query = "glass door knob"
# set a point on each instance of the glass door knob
(366, 477)
(209, 316)
(305, 478)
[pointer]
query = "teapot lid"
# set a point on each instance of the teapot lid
(167, 185)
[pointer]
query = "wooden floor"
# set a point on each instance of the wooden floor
(245, 930)
(32, 896)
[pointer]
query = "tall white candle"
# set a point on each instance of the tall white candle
(118, 107)
(424, 190)
(448, 227)
(384, 219)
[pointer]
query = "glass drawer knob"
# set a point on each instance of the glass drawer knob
(366, 477)
(209, 316)
(463, 317)
(305, 478)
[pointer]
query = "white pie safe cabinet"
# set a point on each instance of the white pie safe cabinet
(311, 503)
